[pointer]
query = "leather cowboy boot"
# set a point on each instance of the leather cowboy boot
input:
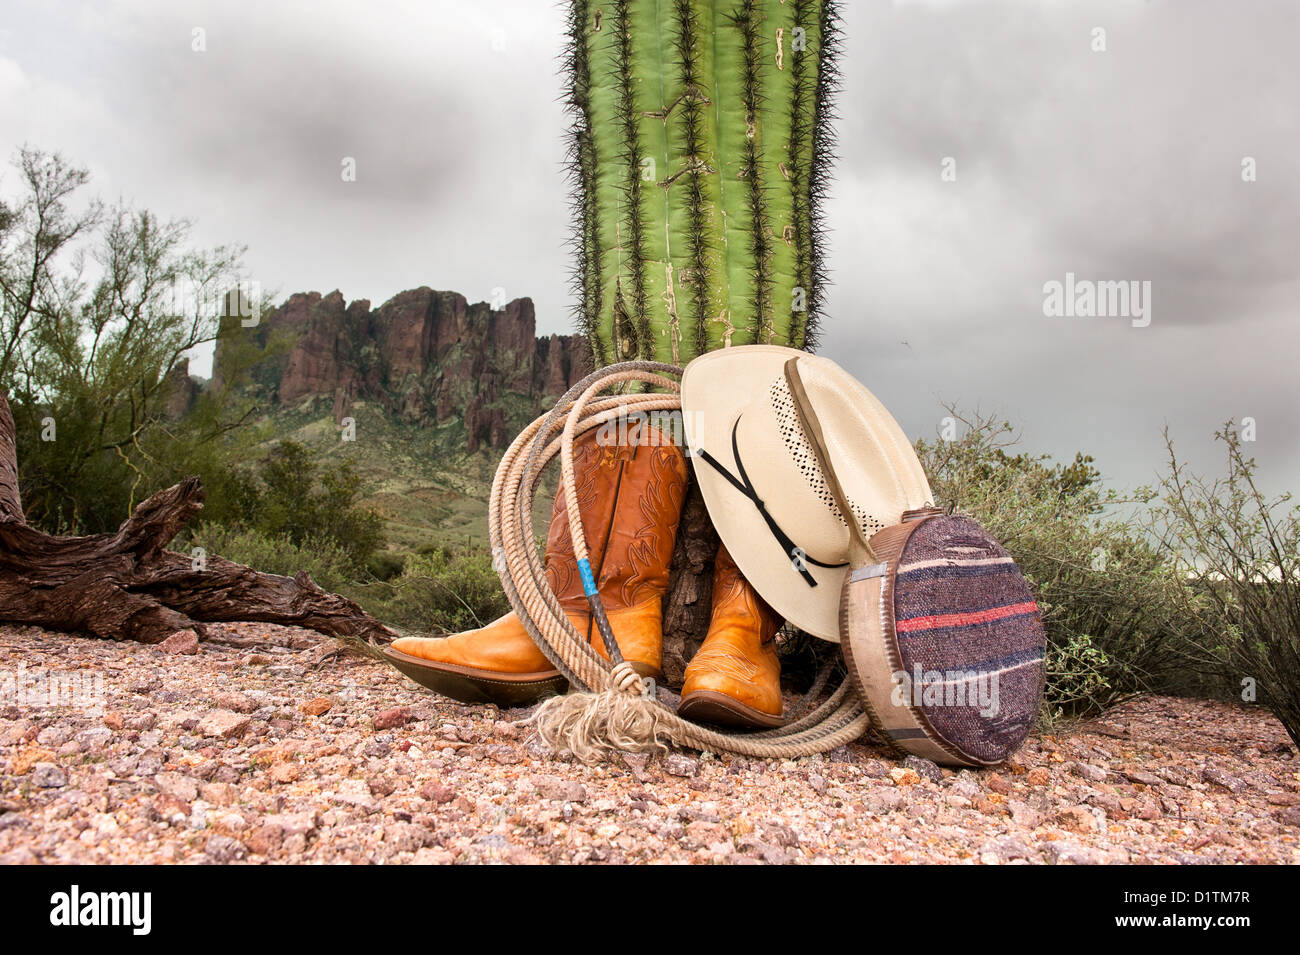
(630, 498)
(735, 678)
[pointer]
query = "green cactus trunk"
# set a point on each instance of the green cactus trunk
(700, 149)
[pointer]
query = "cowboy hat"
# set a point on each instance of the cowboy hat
(763, 486)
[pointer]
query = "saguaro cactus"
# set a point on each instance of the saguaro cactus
(700, 148)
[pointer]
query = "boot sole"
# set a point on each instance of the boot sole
(470, 685)
(710, 706)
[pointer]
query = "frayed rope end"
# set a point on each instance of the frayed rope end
(598, 726)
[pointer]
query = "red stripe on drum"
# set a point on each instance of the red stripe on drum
(964, 619)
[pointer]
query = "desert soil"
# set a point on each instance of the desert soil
(287, 749)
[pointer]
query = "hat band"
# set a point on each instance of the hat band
(742, 484)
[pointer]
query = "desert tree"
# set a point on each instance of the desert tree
(100, 309)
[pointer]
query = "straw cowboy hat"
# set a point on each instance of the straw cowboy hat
(762, 483)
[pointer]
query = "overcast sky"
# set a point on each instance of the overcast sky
(1116, 165)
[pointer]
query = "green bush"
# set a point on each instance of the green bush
(386, 564)
(329, 566)
(297, 498)
(1110, 600)
(442, 591)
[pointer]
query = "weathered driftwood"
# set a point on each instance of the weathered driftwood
(127, 586)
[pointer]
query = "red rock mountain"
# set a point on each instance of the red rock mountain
(426, 356)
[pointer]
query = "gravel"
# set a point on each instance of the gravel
(299, 755)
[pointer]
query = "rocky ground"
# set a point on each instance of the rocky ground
(274, 746)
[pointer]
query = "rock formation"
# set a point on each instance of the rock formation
(426, 356)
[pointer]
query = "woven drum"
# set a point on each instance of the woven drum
(943, 640)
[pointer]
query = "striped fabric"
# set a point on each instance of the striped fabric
(970, 637)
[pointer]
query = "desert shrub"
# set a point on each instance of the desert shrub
(1109, 599)
(443, 590)
(1077, 675)
(1241, 551)
(385, 564)
(329, 566)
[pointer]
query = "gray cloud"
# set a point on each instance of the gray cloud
(1116, 165)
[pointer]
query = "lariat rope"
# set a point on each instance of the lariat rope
(610, 709)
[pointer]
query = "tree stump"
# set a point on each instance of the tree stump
(127, 586)
(690, 587)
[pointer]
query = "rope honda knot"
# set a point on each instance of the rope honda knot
(623, 677)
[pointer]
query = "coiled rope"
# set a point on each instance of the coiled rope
(609, 709)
